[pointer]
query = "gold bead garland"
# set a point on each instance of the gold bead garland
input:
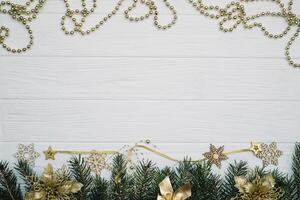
(152, 11)
(21, 14)
(84, 13)
(232, 12)
(235, 11)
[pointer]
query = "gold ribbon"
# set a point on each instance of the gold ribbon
(167, 192)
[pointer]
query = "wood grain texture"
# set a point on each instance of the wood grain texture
(148, 78)
(183, 88)
(162, 121)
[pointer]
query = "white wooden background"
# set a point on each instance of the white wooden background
(183, 88)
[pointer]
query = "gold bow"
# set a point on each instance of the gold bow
(168, 193)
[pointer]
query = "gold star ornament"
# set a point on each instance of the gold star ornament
(215, 155)
(50, 154)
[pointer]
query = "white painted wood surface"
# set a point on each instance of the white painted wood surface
(183, 88)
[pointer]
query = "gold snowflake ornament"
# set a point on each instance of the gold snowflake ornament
(27, 153)
(97, 162)
(215, 155)
(269, 154)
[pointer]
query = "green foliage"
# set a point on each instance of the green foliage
(236, 169)
(296, 171)
(143, 181)
(120, 182)
(81, 172)
(99, 190)
(26, 171)
(205, 184)
(9, 188)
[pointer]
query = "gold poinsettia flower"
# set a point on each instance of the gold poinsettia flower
(51, 186)
(260, 188)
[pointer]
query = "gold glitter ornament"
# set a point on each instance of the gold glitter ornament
(27, 153)
(255, 148)
(97, 162)
(258, 189)
(269, 154)
(49, 154)
(215, 155)
(52, 186)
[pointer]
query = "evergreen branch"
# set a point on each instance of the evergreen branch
(9, 187)
(296, 171)
(237, 169)
(82, 174)
(25, 171)
(120, 182)
(99, 189)
(144, 184)
(205, 184)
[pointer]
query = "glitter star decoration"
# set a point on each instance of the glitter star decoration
(269, 154)
(27, 153)
(215, 155)
(255, 148)
(50, 154)
(97, 162)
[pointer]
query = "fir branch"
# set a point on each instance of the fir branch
(296, 171)
(237, 169)
(9, 187)
(120, 182)
(25, 171)
(144, 184)
(82, 174)
(184, 172)
(99, 189)
(205, 184)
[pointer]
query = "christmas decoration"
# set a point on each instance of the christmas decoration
(215, 155)
(52, 185)
(167, 192)
(27, 153)
(97, 162)
(234, 13)
(260, 188)
(269, 154)
(77, 181)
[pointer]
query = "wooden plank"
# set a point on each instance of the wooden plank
(177, 150)
(164, 121)
(148, 78)
(193, 36)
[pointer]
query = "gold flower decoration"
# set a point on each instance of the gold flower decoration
(215, 155)
(52, 186)
(97, 162)
(269, 154)
(260, 188)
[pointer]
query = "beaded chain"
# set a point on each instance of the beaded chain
(232, 12)
(235, 12)
(84, 13)
(152, 11)
(23, 15)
